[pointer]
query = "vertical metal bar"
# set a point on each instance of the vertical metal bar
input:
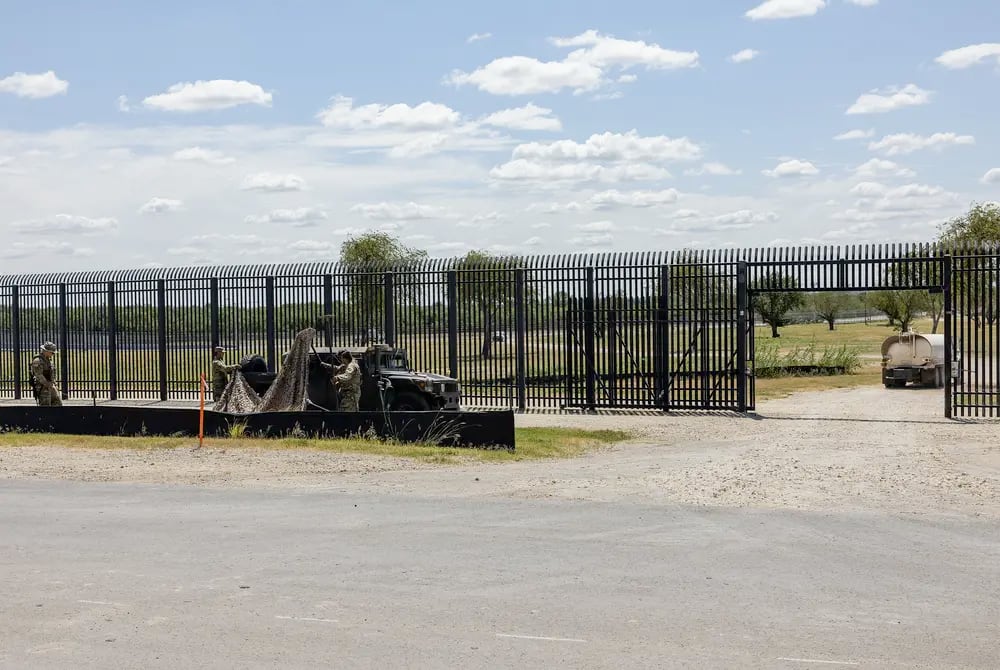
(571, 348)
(589, 343)
(390, 308)
(741, 336)
(611, 347)
(15, 326)
(213, 312)
(112, 342)
(328, 310)
(63, 342)
(948, 334)
(161, 334)
(662, 357)
(452, 307)
(520, 339)
(271, 334)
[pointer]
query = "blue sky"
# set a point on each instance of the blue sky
(138, 134)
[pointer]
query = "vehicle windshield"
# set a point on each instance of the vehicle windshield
(393, 361)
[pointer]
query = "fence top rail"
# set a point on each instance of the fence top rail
(757, 255)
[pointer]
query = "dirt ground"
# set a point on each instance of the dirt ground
(860, 449)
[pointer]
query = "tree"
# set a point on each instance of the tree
(980, 225)
(975, 278)
(829, 305)
(486, 284)
(774, 306)
(902, 307)
(367, 257)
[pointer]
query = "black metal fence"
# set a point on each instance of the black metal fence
(652, 330)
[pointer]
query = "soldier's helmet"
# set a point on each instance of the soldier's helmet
(50, 347)
(221, 350)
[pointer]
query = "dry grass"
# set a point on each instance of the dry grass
(532, 444)
(782, 387)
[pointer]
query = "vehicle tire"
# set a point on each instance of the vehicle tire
(410, 402)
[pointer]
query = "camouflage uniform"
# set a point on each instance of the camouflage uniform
(46, 394)
(347, 377)
(220, 376)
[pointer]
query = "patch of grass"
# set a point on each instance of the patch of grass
(782, 387)
(771, 361)
(532, 444)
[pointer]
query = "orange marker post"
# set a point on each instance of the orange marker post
(201, 412)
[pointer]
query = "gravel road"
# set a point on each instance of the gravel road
(856, 449)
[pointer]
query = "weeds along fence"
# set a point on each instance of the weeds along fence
(507, 328)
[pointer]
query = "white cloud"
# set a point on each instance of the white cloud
(398, 212)
(425, 116)
(230, 240)
(34, 86)
(965, 57)
(476, 37)
(521, 75)
(526, 170)
(597, 227)
(123, 105)
(267, 181)
(586, 68)
(792, 168)
(855, 135)
(992, 177)
(628, 79)
(533, 241)
(208, 95)
(312, 247)
(878, 202)
(299, 217)
(529, 117)
(423, 145)
(712, 169)
(744, 56)
(640, 199)
(869, 189)
(553, 208)
(66, 223)
(609, 146)
(684, 214)
(16, 250)
(907, 143)
(863, 3)
(161, 206)
(607, 51)
(890, 99)
(785, 9)
(593, 240)
(203, 155)
(744, 218)
(878, 167)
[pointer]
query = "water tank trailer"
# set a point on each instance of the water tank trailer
(913, 357)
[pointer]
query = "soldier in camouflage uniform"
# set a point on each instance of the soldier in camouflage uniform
(46, 394)
(220, 372)
(347, 378)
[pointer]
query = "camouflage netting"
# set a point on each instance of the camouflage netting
(238, 398)
(288, 393)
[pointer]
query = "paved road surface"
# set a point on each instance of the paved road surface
(141, 576)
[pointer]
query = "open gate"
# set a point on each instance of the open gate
(686, 345)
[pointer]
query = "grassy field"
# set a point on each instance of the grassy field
(867, 337)
(532, 444)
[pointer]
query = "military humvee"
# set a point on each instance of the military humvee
(387, 382)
